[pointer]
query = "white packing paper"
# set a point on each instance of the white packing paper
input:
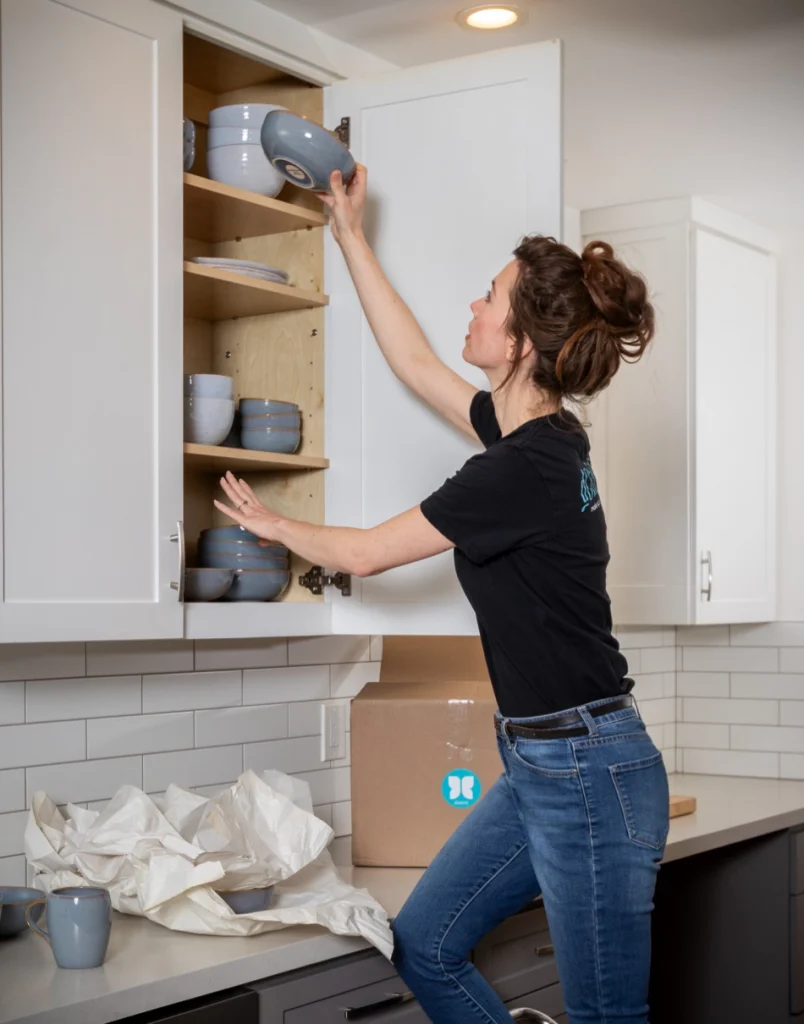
(165, 857)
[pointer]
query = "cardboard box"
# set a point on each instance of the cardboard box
(423, 749)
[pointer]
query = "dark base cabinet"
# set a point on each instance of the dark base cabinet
(728, 935)
(236, 1006)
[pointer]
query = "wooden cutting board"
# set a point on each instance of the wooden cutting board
(682, 805)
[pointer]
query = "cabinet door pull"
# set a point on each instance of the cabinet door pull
(178, 538)
(393, 999)
(545, 950)
(706, 561)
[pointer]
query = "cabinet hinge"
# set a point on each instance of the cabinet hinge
(343, 131)
(316, 579)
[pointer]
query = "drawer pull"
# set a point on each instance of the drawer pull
(545, 950)
(393, 999)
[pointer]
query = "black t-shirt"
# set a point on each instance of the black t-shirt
(531, 555)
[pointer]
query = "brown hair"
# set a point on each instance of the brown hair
(584, 314)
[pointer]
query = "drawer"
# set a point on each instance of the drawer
(322, 992)
(549, 1000)
(240, 1005)
(517, 956)
(797, 863)
(797, 954)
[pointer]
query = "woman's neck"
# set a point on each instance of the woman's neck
(519, 402)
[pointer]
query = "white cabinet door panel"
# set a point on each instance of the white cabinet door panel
(464, 157)
(92, 327)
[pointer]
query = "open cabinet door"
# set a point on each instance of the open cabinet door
(464, 158)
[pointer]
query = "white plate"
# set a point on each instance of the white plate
(222, 262)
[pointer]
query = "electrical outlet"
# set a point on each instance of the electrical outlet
(333, 732)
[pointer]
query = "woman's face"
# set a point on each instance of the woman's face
(488, 344)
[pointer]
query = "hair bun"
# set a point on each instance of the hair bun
(620, 296)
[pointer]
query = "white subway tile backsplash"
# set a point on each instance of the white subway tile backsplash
(12, 827)
(12, 703)
(136, 658)
(730, 659)
(710, 737)
(328, 650)
(702, 684)
(81, 781)
(649, 687)
(669, 756)
(792, 766)
(281, 685)
(670, 734)
(213, 655)
(12, 790)
(767, 737)
(772, 685)
(656, 733)
(639, 636)
(45, 743)
(791, 712)
(139, 734)
(324, 812)
(754, 712)
(342, 818)
(669, 684)
(731, 762)
(54, 700)
(702, 636)
(791, 659)
(768, 634)
(349, 680)
(214, 791)
(634, 659)
(304, 719)
(189, 691)
(12, 871)
(657, 712)
(208, 766)
(41, 661)
(658, 659)
(240, 725)
(290, 756)
(330, 785)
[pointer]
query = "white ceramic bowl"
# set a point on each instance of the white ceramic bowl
(244, 167)
(208, 385)
(207, 420)
(227, 136)
(241, 115)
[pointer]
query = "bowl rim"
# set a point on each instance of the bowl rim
(282, 430)
(309, 120)
(279, 401)
(21, 902)
(284, 572)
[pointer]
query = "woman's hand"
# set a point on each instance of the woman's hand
(346, 204)
(248, 510)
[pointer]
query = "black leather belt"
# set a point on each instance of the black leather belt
(569, 724)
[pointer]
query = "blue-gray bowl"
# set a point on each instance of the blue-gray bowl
(285, 420)
(304, 152)
(271, 439)
(218, 560)
(207, 583)
(235, 533)
(241, 547)
(249, 901)
(258, 585)
(16, 899)
(264, 406)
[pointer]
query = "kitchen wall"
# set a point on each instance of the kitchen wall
(81, 720)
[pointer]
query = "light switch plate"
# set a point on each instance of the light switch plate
(333, 732)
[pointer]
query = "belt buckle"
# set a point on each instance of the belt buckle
(506, 735)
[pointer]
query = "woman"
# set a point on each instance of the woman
(580, 814)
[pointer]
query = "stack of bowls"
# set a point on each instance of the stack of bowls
(209, 407)
(260, 573)
(267, 425)
(15, 900)
(234, 153)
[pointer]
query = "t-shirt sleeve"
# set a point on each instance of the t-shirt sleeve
(484, 418)
(497, 502)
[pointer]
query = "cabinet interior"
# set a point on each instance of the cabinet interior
(273, 354)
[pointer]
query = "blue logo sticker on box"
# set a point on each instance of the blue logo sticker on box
(461, 788)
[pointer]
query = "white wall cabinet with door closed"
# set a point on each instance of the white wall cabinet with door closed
(689, 432)
(99, 360)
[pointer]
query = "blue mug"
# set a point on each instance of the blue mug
(79, 921)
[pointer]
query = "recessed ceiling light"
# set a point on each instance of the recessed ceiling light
(488, 17)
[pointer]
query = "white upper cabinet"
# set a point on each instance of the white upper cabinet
(689, 433)
(91, 319)
(464, 158)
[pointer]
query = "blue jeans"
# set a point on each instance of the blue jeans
(582, 821)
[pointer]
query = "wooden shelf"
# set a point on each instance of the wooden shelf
(217, 459)
(213, 294)
(214, 212)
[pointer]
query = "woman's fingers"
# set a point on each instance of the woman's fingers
(230, 512)
(234, 491)
(251, 497)
(336, 185)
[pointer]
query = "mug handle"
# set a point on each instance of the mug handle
(35, 927)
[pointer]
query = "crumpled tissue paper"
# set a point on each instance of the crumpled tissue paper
(164, 857)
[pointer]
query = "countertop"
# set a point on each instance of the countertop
(149, 967)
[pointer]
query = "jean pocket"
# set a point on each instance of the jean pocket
(550, 758)
(644, 796)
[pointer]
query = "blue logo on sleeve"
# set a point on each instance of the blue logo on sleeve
(461, 788)
(589, 496)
